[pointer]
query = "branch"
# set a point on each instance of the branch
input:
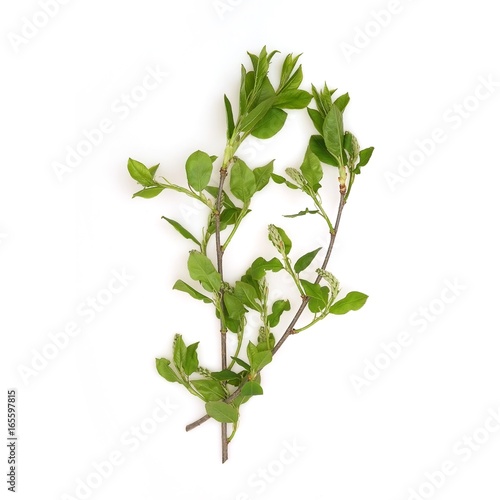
(305, 300)
(223, 331)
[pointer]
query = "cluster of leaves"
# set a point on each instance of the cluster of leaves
(262, 114)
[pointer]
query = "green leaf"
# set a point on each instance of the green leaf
(228, 217)
(364, 156)
(293, 99)
(210, 390)
(287, 68)
(278, 179)
(258, 359)
(242, 181)
(263, 174)
(229, 117)
(318, 147)
(317, 119)
(295, 80)
(199, 168)
(191, 363)
(222, 412)
(179, 352)
(317, 305)
(252, 388)
(266, 91)
(301, 213)
(260, 265)
(242, 363)
(235, 308)
(351, 302)
(272, 122)
(286, 240)
(279, 307)
(182, 230)
(333, 133)
(164, 369)
(311, 169)
(227, 376)
(342, 102)
(318, 295)
(153, 170)
(140, 173)
(184, 287)
(247, 295)
(202, 269)
(305, 261)
(253, 118)
(243, 93)
(148, 192)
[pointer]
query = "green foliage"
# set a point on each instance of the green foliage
(261, 110)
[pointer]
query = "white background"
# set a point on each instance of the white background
(62, 238)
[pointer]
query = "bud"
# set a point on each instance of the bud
(296, 176)
(204, 372)
(276, 239)
(332, 281)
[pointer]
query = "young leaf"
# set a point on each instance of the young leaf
(252, 388)
(260, 265)
(164, 369)
(182, 230)
(247, 295)
(242, 181)
(301, 213)
(311, 169)
(272, 122)
(287, 68)
(242, 363)
(214, 191)
(222, 412)
(351, 302)
(184, 287)
(317, 119)
(318, 147)
(364, 156)
(333, 133)
(253, 118)
(179, 352)
(210, 390)
(199, 168)
(150, 192)
(293, 99)
(153, 170)
(262, 175)
(191, 362)
(295, 80)
(305, 261)
(202, 269)
(235, 308)
(259, 359)
(140, 173)
(279, 307)
(243, 93)
(227, 376)
(318, 295)
(229, 117)
(342, 102)
(281, 180)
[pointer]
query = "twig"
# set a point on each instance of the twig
(305, 300)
